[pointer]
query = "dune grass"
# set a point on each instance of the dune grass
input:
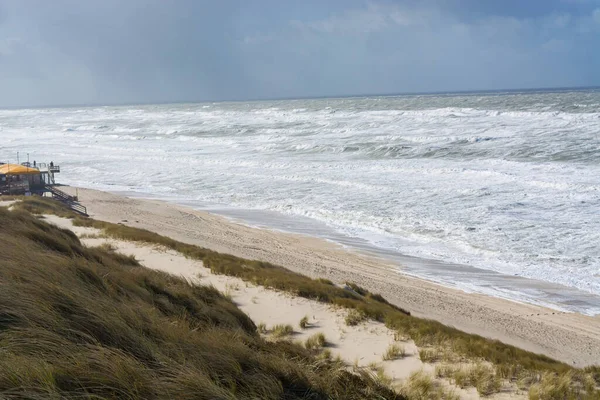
(434, 354)
(421, 386)
(480, 376)
(355, 317)
(303, 324)
(393, 352)
(510, 362)
(316, 341)
(44, 205)
(262, 328)
(281, 331)
(561, 387)
(79, 322)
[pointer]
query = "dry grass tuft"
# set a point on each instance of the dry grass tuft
(281, 330)
(324, 355)
(355, 317)
(261, 328)
(484, 379)
(393, 352)
(560, 387)
(325, 281)
(430, 355)
(480, 376)
(92, 236)
(422, 386)
(383, 378)
(419, 386)
(444, 370)
(108, 247)
(303, 322)
(315, 342)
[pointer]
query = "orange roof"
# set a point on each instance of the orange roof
(16, 169)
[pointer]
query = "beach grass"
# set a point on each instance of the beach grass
(393, 352)
(79, 322)
(480, 376)
(510, 363)
(316, 341)
(421, 386)
(556, 387)
(303, 324)
(282, 330)
(262, 328)
(355, 317)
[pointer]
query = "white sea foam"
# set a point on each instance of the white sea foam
(504, 183)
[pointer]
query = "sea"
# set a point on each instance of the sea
(495, 193)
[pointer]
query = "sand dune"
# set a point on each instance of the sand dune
(572, 338)
(362, 345)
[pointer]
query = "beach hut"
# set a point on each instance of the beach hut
(19, 179)
(25, 179)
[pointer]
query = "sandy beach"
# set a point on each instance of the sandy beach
(569, 337)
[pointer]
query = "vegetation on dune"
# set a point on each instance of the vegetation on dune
(262, 328)
(355, 317)
(393, 352)
(316, 341)
(437, 341)
(421, 386)
(567, 386)
(480, 376)
(281, 331)
(43, 205)
(79, 322)
(257, 272)
(303, 324)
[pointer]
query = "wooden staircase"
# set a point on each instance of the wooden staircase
(69, 200)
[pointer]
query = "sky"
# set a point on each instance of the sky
(67, 52)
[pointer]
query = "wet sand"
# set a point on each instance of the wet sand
(464, 277)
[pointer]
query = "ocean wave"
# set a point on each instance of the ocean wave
(506, 183)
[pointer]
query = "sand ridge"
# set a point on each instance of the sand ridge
(360, 346)
(572, 338)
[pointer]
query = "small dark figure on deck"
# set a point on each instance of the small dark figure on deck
(52, 163)
(33, 163)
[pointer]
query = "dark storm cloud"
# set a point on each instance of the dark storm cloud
(68, 52)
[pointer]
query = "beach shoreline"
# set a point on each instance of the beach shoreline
(570, 337)
(466, 278)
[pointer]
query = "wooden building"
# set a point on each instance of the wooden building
(24, 178)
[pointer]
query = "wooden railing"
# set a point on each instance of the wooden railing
(67, 199)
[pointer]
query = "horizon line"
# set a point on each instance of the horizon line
(349, 96)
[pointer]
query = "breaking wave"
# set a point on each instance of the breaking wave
(507, 183)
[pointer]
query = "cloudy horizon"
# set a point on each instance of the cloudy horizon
(151, 51)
